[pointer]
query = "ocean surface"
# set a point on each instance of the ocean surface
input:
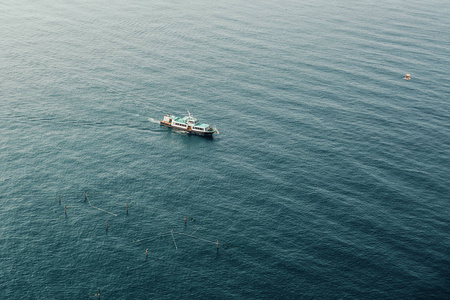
(330, 178)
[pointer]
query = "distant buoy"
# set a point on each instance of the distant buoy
(408, 76)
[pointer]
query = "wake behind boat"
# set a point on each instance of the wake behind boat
(188, 124)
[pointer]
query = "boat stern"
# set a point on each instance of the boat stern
(167, 120)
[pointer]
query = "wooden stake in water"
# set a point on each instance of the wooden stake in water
(85, 196)
(174, 239)
(59, 199)
(146, 253)
(65, 210)
(184, 221)
(217, 245)
(106, 225)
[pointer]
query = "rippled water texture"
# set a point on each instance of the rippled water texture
(329, 178)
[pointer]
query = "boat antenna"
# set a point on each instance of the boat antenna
(188, 113)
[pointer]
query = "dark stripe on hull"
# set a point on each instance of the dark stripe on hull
(190, 132)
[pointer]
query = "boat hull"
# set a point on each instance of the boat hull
(167, 124)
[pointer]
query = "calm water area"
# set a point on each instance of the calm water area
(330, 178)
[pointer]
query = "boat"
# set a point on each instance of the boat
(188, 124)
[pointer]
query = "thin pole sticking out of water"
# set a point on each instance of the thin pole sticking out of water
(174, 239)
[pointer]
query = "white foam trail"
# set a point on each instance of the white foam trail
(153, 120)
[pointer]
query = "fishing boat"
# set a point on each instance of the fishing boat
(188, 124)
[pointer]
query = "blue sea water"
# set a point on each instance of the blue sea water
(330, 177)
